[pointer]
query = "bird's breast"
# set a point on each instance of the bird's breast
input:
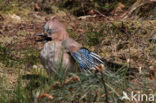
(53, 55)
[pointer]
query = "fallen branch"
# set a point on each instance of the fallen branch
(87, 16)
(135, 6)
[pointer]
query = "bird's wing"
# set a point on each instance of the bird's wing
(86, 59)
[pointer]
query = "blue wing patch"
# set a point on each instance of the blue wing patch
(86, 59)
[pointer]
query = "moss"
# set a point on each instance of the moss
(3, 54)
(72, 34)
(31, 57)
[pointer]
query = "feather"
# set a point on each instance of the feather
(86, 59)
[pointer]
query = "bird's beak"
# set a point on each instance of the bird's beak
(42, 37)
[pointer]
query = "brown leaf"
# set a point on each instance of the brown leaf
(37, 7)
(100, 68)
(44, 95)
(73, 78)
(57, 84)
(91, 12)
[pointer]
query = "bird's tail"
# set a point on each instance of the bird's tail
(111, 65)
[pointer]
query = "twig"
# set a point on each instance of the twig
(108, 18)
(100, 13)
(135, 6)
(105, 87)
(87, 16)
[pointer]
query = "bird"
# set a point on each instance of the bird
(58, 43)
(53, 54)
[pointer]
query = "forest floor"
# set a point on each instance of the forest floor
(114, 39)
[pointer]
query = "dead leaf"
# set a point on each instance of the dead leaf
(73, 78)
(44, 95)
(57, 84)
(100, 68)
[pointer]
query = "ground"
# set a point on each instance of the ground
(121, 41)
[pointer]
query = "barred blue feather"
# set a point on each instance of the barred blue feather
(86, 59)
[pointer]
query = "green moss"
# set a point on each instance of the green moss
(71, 33)
(3, 54)
(31, 57)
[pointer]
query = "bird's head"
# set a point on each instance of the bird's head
(53, 30)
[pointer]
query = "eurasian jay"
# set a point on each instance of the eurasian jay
(59, 47)
(53, 55)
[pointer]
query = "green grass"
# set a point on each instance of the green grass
(90, 88)
(9, 59)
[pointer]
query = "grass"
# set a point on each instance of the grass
(88, 89)
(95, 87)
(9, 59)
(28, 86)
(92, 87)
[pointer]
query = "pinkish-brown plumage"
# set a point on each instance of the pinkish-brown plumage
(56, 30)
(52, 54)
(54, 51)
(71, 45)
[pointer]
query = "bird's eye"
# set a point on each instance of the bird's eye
(51, 31)
(48, 29)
